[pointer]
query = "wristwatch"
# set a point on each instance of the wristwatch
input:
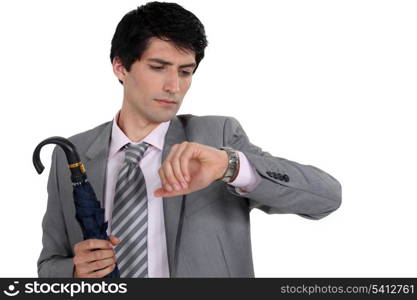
(233, 167)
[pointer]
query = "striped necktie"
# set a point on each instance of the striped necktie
(130, 215)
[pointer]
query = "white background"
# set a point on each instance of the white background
(326, 83)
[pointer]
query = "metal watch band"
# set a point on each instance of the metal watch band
(233, 166)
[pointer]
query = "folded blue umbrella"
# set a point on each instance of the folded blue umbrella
(89, 214)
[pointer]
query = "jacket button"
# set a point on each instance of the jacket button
(286, 178)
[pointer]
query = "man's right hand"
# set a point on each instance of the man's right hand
(94, 258)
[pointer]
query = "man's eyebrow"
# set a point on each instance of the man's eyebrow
(164, 62)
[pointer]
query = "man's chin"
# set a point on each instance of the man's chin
(162, 117)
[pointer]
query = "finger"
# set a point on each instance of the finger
(167, 168)
(172, 151)
(101, 264)
(93, 256)
(80, 259)
(88, 268)
(100, 255)
(177, 163)
(163, 193)
(186, 157)
(159, 192)
(81, 270)
(164, 182)
(96, 274)
(92, 244)
(114, 240)
(103, 272)
(170, 177)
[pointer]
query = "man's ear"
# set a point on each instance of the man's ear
(118, 69)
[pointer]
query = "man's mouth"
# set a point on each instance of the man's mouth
(166, 101)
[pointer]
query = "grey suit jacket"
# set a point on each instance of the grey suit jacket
(207, 231)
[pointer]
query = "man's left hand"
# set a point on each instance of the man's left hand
(190, 167)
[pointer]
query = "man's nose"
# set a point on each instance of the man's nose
(172, 83)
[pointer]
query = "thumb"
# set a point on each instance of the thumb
(114, 240)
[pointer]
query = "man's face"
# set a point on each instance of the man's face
(163, 73)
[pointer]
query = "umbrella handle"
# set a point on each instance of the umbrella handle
(78, 173)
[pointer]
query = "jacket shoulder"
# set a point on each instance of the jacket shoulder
(209, 129)
(90, 133)
(207, 121)
(84, 139)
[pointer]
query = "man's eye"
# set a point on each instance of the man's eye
(185, 73)
(156, 67)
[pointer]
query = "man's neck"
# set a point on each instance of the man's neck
(134, 127)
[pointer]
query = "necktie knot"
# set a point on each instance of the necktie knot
(134, 152)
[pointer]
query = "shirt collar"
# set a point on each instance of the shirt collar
(118, 138)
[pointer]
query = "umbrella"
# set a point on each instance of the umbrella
(89, 214)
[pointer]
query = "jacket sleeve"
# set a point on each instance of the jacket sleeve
(55, 259)
(285, 186)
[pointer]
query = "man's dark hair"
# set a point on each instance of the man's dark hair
(166, 21)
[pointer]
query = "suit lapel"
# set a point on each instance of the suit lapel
(172, 205)
(96, 161)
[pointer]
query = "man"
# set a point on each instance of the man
(177, 189)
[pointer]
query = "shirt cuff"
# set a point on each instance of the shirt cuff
(247, 179)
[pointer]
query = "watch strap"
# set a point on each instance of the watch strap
(233, 165)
